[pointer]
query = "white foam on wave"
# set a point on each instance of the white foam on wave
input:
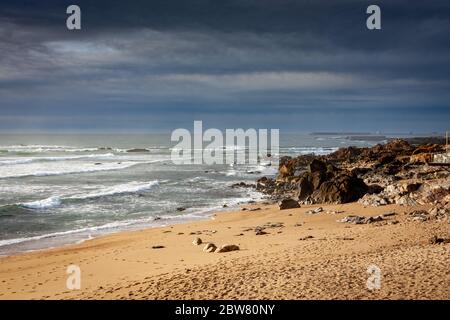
(45, 148)
(88, 232)
(36, 159)
(126, 188)
(309, 150)
(36, 171)
(186, 216)
(232, 204)
(70, 149)
(50, 202)
(199, 179)
(116, 225)
(247, 171)
(111, 225)
(15, 161)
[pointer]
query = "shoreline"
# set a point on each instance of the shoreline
(339, 217)
(298, 248)
(78, 238)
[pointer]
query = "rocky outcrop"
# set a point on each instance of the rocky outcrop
(341, 188)
(391, 173)
(324, 183)
(381, 152)
(410, 194)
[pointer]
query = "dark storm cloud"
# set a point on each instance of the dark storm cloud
(170, 61)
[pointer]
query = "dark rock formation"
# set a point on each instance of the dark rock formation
(380, 175)
(288, 204)
(324, 183)
(342, 188)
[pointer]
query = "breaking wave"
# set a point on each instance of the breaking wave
(89, 168)
(38, 159)
(122, 189)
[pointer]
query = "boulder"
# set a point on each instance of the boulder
(197, 241)
(288, 203)
(210, 247)
(227, 248)
(343, 188)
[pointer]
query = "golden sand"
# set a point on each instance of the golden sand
(302, 256)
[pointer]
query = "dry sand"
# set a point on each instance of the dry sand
(282, 264)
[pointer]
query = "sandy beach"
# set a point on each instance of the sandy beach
(224, 150)
(300, 256)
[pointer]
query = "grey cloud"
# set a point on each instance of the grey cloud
(215, 58)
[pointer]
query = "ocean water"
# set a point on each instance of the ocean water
(60, 189)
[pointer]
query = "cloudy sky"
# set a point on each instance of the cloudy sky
(157, 65)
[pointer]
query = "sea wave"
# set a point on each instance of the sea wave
(38, 159)
(127, 188)
(309, 150)
(111, 225)
(68, 149)
(116, 225)
(122, 189)
(251, 171)
(50, 202)
(89, 168)
(89, 232)
(47, 148)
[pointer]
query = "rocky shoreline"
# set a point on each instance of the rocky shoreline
(304, 242)
(397, 172)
